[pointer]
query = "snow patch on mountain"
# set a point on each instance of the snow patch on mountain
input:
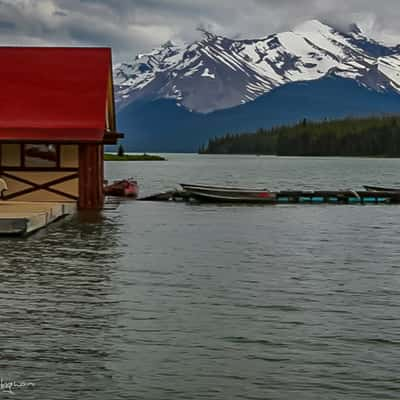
(390, 67)
(206, 74)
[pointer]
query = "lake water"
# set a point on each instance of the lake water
(177, 301)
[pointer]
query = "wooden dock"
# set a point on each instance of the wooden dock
(293, 197)
(23, 218)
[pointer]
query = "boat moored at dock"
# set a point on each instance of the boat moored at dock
(122, 188)
(380, 189)
(229, 194)
(225, 194)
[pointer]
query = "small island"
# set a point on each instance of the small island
(122, 156)
(132, 157)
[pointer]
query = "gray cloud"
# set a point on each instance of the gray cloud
(132, 26)
(7, 26)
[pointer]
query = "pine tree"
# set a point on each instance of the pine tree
(121, 151)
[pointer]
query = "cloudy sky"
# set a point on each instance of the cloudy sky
(132, 26)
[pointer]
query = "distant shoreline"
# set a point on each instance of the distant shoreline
(377, 137)
(379, 156)
(133, 157)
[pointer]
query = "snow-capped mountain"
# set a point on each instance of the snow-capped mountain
(217, 73)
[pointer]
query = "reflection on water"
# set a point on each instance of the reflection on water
(58, 307)
(161, 301)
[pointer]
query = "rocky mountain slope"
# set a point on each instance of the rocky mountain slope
(217, 73)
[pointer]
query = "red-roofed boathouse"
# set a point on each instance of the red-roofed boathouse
(56, 113)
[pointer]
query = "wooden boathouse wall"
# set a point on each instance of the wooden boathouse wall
(77, 177)
(58, 183)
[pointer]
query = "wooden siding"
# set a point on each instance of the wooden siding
(78, 176)
(110, 107)
(25, 185)
(58, 184)
(69, 156)
(10, 155)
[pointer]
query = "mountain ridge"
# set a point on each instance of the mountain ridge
(216, 73)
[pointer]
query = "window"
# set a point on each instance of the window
(10, 155)
(40, 155)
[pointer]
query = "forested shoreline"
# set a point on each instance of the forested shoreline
(353, 137)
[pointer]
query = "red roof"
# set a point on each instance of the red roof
(54, 94)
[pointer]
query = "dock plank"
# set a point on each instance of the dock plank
(22, 218)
